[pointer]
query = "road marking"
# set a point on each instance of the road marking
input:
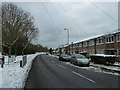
(77, 74)
(64, 67)
(83, 77)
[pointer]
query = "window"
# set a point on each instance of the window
(73, 45)
(100, 41)
(118, 38)
(80, 44)
(109, 52)
(110, 39)
(91, 51)
(80, 50)
(100, 51)
(91, 42)
(85, 51)
(85, 44)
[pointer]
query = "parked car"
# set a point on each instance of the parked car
(79, 59)
(64, 57)
(47, 53)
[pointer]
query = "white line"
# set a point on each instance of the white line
(64, 67)
(77, 74)
(83, 76)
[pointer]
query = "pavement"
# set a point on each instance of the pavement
(49, 72)
(114, 69)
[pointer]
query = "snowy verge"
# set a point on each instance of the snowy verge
(54, 56)
(110, 68)
(14, 76)
(1, 70)
(95, 69)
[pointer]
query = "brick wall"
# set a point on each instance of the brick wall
(105, 44)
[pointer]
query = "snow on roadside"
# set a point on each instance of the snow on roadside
(107, 67)
(117, 63)
(14, 76)
(93, 69)
(54, 56)
(1, 77)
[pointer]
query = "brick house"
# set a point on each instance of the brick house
(102, 44)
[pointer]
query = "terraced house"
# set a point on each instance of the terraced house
(108, 44)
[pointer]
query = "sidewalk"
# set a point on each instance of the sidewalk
(1, 77)
(105, 67)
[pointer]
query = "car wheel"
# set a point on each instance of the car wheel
(59, 59)
(88, 65)
(76, 63)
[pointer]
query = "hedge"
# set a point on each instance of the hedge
(103, 59)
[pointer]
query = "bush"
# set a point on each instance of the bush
(103, 59)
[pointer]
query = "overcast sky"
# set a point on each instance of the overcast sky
(83, 19)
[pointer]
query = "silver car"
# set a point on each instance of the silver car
(79, 59)
(64, 57)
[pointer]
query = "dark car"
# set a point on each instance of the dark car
(64, 57)
(80, 60)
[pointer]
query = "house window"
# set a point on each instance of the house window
(91, 42)
(85, 44)
(80, 44)
(80, 50)
(110, 39)
(100, 41)
(100, 51)
(77, 45)
(91, 51)
(73, 45)
(118, 37)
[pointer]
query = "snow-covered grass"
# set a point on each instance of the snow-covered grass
(1, 70)
(12, 75)
(107, 67)
(54, 56)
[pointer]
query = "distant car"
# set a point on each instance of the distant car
(64, 57)
(79, 59)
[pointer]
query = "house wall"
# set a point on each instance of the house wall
(106, 47)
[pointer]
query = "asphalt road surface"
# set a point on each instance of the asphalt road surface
(49, 72)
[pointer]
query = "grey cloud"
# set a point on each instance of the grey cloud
(82, 19)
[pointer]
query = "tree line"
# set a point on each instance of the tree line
(18, 30)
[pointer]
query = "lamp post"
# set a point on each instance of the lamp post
(72, 47)
(68, 39)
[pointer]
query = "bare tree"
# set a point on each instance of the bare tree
(17, 27)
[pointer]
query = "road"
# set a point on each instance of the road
(49, 72)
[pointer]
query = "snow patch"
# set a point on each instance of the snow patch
(1, 70)
(12, 75)
(95, 69)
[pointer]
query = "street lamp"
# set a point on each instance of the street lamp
(72, 47)
(68, 38)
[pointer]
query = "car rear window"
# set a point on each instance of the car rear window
(80, 56)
